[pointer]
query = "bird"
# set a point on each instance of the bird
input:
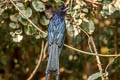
(56, 37)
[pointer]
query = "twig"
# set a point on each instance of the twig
(75, 49)
(110, 63)
(21, 13)
(93, 54)
(40, 57)
(45, 48)
(94, 2)
(89, 45)
(67, 2)
(90, 40)
(97, 57)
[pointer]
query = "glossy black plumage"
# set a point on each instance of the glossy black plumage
(56, 36)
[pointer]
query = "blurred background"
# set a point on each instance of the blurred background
(20, 42)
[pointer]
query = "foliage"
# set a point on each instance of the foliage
(20, 42)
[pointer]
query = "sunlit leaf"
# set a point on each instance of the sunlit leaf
(27, 12)
(37, 36)
(17, 38)
(14, 17)
(1, 10)
(112, 9)
(12, 34)
(85, 10)
(20, 5)
(117, 4)
(95, 76)
(23, 21)
(43, 35)
(29, 30)
(38, 6)
(13, 25)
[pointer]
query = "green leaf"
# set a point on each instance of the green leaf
(14, 17)
(85, 10)
(37, 36)
(12, 34)
(27, 12)
(20, 5)
(38, 6)
(34, 19)
(29, 30)
(43, 35)
(13, 25)
(23, 21)
(91, 27)
(1, 10)
(95, 76)
(44, 20)
(4, 60)
(19, 31)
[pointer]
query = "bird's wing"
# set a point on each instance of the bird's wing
(56, 33)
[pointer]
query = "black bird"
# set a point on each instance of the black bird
(56, 37)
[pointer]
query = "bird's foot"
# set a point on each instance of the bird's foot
(47, 75)
(57, 75)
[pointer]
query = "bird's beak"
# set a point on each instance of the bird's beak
(66, 9)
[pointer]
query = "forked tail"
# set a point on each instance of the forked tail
(53, 60)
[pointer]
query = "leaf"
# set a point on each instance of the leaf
(27, 12)
(17, 38)
(43, 35)
(29, 30)
(117, 4)
(13, 25)
(23, 21)
(19, 31)
(14, 17)
(12, 34)
(95, 76)
(85, 10)
(1, 11)
(37, 36)
(112, 9)
(34, 19)
(91, 27)
(20, 5)
(4, 60)
(44, 20)
(44, 0)
(38, 6)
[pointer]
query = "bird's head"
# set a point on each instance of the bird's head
(62, 10)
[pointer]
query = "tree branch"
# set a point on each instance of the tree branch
(97, 57)
(40, 57)
(75, 49)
